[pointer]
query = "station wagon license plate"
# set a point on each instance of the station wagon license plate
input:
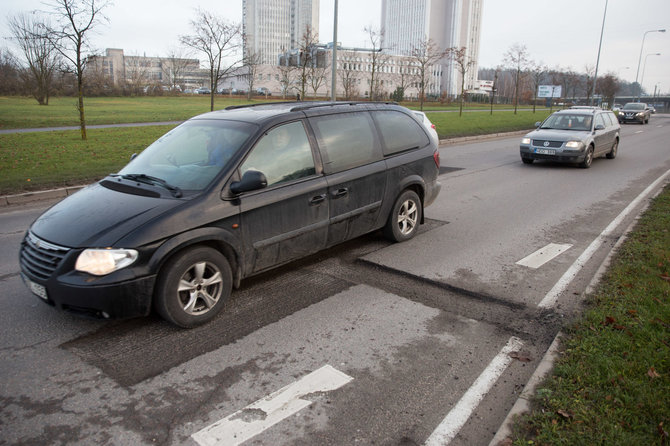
(37, 289)
(545, 151)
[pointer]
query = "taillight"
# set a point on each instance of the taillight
(436, 157)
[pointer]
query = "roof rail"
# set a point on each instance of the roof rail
(307, 105)
(234, 107)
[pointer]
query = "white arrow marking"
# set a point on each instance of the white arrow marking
(543, 255)
(244, 424)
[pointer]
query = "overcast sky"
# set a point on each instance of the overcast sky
(561, 33)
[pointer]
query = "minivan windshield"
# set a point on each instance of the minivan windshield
(191, 155)
(568, 122)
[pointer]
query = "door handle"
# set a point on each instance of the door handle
(340, 193)
(316, 200)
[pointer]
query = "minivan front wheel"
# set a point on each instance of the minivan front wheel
(403, 222)
(193, 286)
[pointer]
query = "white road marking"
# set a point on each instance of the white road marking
(462, 411)
(266, 412)
(639, 131)
(552, 296)
(543, 255)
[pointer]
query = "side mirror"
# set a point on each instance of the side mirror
(538, 124)
(251, 180)
(133, 156)
(600, 127)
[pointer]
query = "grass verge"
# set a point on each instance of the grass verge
(611, 384)
(450, 124)
(43, 160)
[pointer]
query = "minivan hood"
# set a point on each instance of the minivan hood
(558, 135)
(97, 217)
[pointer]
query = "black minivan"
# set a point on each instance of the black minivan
(227, 195)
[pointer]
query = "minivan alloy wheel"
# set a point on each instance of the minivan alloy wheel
(405, 217)
(193, 286)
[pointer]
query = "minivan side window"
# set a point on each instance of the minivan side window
(282, 154)
(399, 132)
(346, 140)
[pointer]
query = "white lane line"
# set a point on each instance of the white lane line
(543, 255)
(639, 131)
(552, 296)
(266, 412)
(462, 411)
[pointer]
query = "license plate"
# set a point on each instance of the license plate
(38, 289)
(545, 151)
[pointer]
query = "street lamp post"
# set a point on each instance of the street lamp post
(643, 68)
(640, 58)
(595, 76)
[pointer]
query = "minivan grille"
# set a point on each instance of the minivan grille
(540, 143)
(40, 258)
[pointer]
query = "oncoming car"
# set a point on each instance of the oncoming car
(635, 112)
(227, 195)
(573, 136)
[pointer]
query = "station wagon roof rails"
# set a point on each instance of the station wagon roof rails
(307, 105)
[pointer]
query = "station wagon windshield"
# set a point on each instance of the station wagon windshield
(568, 122)
(191, 155)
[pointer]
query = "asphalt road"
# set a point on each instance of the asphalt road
(424, 342)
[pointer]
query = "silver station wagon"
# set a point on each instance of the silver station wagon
(575, 135)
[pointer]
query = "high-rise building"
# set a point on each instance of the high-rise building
(272, 27)
(448, 23)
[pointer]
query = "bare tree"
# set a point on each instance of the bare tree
(537, 72)
(136, 73)
(10, 81)
(74, 20)
(463, 64)
(349, 74)
(174, 68)
(590, 75)
(306, 58)
(40, 54)
(404, 77)
(287, 78)
(425, 54)
(378, 60)
(516, 58)
(608, 86)
(317, 77)
(251, 63)
(219, 41)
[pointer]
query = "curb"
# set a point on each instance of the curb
(9, 200)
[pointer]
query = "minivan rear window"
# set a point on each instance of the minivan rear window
(399, 132)
(346, 140)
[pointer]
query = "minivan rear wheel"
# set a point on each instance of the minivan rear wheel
(193, 286)
(403, 222)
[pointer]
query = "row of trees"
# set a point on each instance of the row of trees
(518, 78)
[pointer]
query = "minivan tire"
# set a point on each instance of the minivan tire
(403, 223)
(193, 286)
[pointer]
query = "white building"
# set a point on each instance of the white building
(274, 26)
(448, 23)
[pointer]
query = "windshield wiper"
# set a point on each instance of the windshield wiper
(148, 179)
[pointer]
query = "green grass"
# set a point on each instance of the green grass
(43, 160)
(450, 124)
(21, 112)
(612, 383)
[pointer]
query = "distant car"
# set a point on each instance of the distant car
(203, 90)
(429, 125)
(635, 112)
(573, 136)
(617, 107)
(653, 109)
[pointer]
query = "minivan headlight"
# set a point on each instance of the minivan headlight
(100, 262)
(525, 141)
(573, 144)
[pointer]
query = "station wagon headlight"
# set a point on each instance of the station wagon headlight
(573, 144)
(525, 141)
(100, 262)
